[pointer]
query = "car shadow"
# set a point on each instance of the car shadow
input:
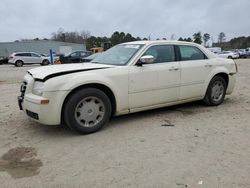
(187, 109)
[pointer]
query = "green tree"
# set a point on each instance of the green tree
(189, 39)
(197, 38)
(180, 39)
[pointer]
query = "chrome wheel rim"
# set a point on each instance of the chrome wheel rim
(89, 111)
(217, 91)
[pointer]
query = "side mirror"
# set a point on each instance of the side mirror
(147, 59)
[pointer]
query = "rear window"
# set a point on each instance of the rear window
(189, 53)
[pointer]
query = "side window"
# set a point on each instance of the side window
(191, 53)
(26, 54)
(82, 54)
(75, 54)
(19, 55)
(34, 55)
(162, 53)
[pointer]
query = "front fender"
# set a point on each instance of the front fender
(117, 84)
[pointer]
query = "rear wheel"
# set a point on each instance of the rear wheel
(19, 63)
(230, 57)
(216, 91)
(87, 110)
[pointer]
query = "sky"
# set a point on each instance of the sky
(29, 19)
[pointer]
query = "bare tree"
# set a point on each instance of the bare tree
(221, 37)
(206, 38)
(85, 34)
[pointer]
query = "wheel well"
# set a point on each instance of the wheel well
(19, 60)
(224, 76)
(101, 87)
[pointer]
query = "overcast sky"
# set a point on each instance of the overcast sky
(28, 19)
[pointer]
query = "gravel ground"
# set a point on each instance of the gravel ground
(203, 146)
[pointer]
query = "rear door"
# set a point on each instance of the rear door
(26, 58)
(35, 58)
(195, 68)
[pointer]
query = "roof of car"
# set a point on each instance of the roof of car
(24, 52)
(159, 42)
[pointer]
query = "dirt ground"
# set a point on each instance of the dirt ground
(203, 146)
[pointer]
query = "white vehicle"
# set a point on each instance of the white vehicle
(129, 77)
(229, 55)
(247, 51)
(20, 58)
(215, 50)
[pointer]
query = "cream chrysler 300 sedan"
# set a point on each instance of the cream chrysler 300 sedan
(127, 78)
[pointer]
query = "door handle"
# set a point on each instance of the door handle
(208, 65)
(173, 69)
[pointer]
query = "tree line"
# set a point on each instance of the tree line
(121, 37)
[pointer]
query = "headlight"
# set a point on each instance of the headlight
(38, 88)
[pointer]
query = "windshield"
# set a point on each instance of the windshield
(118, 55)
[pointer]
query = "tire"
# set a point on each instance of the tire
(230, 57)
(19, 63)
(216, 91)
(87, 110)
(45, 62)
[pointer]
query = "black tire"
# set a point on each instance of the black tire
(45, 62)
(19, 63)
(216, 91)
(230, 57)
(78, 110)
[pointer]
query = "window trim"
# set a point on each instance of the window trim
(179, 53)
(174, 48)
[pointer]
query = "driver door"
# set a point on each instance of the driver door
(157, 83)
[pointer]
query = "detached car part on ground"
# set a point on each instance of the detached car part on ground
(128, 78)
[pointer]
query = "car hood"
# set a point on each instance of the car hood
(46, 72)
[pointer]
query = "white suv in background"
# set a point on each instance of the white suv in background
(21, 58)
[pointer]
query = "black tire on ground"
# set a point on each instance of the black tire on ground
(87, 110)
(45, 62)
(230, 57)
(19, 63)
(216, 91)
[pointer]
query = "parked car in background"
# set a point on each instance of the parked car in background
(74, 57)
(242, 53)
(229, 55)
(248, 51)
(3, 60)
(21, 58)
(91, 57)
(127, 78)
(55, 56)
(215, 50)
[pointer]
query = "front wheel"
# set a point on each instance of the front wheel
(87, 110)
(216, 91)
(45, 62)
